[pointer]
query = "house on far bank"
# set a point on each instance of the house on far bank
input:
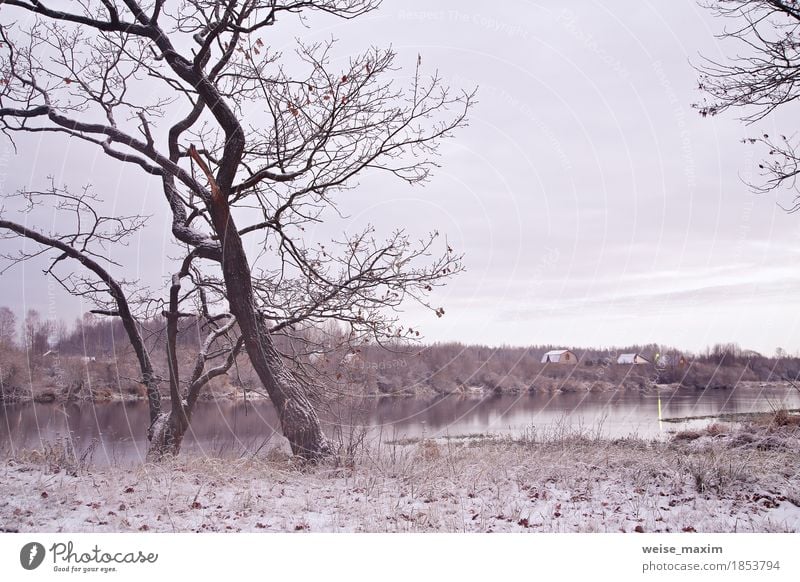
(559, 357)
(632, 359)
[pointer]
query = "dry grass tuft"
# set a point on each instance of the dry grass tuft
(59, 455)
(785, 418)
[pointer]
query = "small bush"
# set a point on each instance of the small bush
(716, 429)
(429, 450)
(687, 435)
(60, 455)
(785, 418)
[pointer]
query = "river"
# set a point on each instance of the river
(237, 427)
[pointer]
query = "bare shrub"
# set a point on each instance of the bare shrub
(717, 429)
(687, 435)
(429, 450)
(12, 374)
(59, 455)
(783, 417)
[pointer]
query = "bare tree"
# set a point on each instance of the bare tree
(8, 327)
(761, 78)
(90, 234)
(253, 140)
(36, 333)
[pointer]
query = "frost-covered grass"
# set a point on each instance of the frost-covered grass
(721, 480)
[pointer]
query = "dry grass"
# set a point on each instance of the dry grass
(60, 455)
(780, 418)
(549, 482)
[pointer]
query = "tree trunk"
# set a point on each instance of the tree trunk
(299, 421)
(167, 434)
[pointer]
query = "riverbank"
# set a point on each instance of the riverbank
(722, 479)
(227, 392)
(83, 370)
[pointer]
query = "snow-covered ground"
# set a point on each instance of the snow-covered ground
(723, 481)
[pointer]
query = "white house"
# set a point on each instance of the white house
(559, 357)
(632, 359)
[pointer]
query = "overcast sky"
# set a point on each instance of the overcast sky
(593, 204)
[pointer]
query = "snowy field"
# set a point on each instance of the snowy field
(722, 479)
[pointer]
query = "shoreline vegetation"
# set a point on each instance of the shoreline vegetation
(741, 477)
(729, 416)
(47, 395)
(93, 361)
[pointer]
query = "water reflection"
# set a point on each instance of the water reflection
(237, 427)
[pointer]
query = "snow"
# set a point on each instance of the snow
(719, 483)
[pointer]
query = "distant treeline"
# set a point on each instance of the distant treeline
(452, 367)
(93, 359)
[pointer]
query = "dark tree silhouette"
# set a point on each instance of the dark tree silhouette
(262, 145)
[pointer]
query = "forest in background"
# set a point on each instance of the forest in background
(47, 360)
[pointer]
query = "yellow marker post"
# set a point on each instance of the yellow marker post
(660, 424)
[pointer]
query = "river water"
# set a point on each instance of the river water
(237, 427)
